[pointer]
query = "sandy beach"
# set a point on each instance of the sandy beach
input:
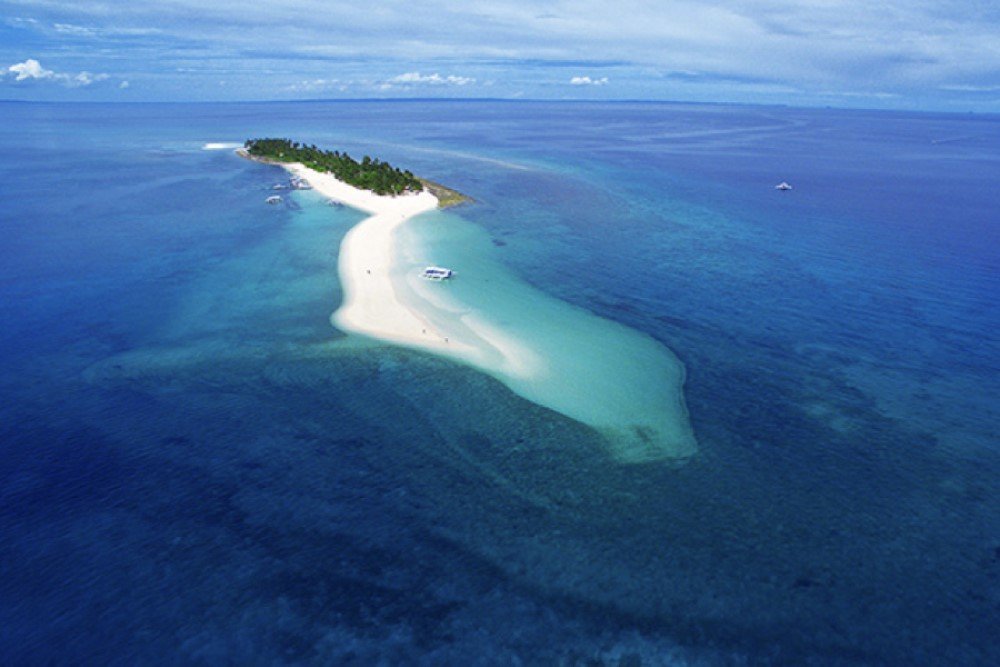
(562, 358)
(374, 304)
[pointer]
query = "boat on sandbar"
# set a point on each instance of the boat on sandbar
(273, 199)
(782, 186)
(436, 273)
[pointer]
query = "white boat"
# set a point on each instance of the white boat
(273, 199)
(299, 184)
(782, 186)
(436, 273)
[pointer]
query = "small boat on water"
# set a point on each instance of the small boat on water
(279, 186)
(436, 273)
(297, 183)
(273, 199)
(782, 186)
(334, 203)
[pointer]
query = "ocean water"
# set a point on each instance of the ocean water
(624, 384)
(197, 468)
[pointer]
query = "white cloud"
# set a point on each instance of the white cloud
(876, 95)
(587, 81)
(416, 78)
(313, 85)
(958, 88)
(18, 22)
(70, 29)
(73, 30)
(32, 70)
(86, 78)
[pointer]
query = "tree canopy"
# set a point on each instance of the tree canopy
(369, 174)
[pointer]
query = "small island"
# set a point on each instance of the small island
(369, 174)
(392, 292)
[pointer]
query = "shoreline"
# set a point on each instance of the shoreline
(386, 302)
(446, 197)
(373, 305)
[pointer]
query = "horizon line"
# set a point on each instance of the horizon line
(509, 100)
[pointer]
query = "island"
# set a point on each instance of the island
(369, 173)
(623, 384)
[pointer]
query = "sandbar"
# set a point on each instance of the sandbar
(378, 304)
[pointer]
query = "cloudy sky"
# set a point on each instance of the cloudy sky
(919, 54)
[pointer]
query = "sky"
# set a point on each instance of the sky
(906, 54)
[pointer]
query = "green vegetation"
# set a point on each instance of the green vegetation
(369, 174)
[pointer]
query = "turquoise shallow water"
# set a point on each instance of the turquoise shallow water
(195, 464)
(616, 380)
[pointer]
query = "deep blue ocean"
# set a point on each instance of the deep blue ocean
(197, 468)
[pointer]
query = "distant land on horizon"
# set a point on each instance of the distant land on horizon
(985, 114)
